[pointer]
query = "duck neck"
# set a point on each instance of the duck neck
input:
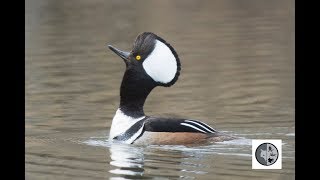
(134, 92)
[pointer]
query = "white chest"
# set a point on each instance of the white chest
(121, 123)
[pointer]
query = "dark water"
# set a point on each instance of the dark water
(237, 76)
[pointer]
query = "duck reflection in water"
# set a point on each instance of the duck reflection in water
(130, 161)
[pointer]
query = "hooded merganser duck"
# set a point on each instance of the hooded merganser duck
(153, 62)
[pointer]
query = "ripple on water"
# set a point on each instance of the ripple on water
(233, 147)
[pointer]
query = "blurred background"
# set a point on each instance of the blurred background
(237, 75)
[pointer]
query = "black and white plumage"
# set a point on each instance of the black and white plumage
(158, 124)
(152, 62)
(176, 125)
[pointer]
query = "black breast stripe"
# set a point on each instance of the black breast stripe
(131, 131)
(176, 125)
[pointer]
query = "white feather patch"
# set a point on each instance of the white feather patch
(121, 123)
(208, 128)
(161, 65)
(189, 125)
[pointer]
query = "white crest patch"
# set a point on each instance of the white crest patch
(161, 64)
(121, 123)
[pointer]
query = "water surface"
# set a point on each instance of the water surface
(237, 76)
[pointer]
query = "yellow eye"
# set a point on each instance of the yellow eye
(138, 57)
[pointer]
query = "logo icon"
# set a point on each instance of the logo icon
(266, 154)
